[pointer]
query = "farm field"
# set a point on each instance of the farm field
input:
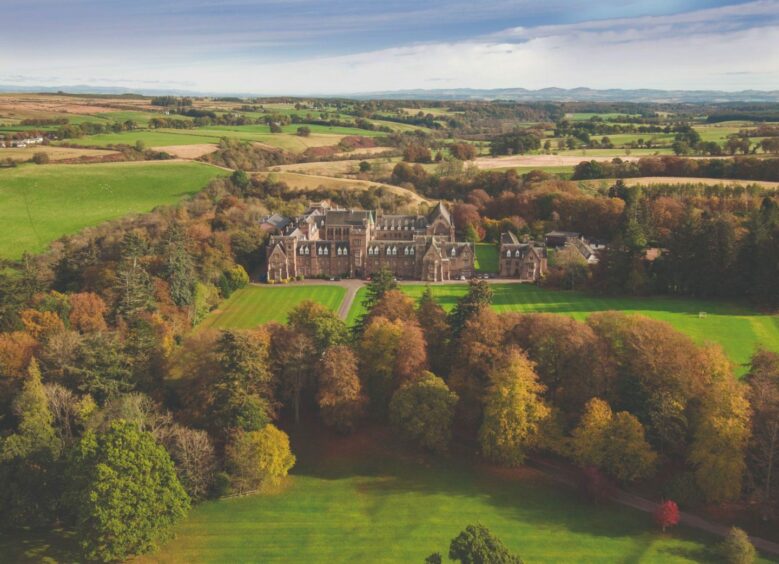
(55, 153)
(39, 204)
(350, 501)
(307, 182)
(679, 180)
(738, 329)
(255, 305)
(152, 138)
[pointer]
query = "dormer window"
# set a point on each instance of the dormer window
(319, 250)
(454, 251)
(389, 251)
(517, 254)
(394, 250)
(327, 251)
(346, 251)
(405, 251)
(508, 253)
(411, 251)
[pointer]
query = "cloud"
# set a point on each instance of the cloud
(729, 48)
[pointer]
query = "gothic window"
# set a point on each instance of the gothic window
(405, 251)
(508, 253)
(411, 251)
(346, 251)
(319, 250)
(517, 253)
(327, 251)
(454, 251)
(394, 250)
(389, 250)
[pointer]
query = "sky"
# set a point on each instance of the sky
(301, 47)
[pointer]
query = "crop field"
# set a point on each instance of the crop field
(151, 137)
(55, 153)
(365, 499)
(255, 305)
(39, 204)
(738, 329)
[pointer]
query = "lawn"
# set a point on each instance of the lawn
(738, 329)
(39, 204)
(486, 257)
(365, 499)
(255, 305)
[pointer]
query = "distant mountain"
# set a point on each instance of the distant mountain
(577, 95)
(514, 94)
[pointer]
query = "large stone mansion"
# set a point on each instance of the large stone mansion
(326, 241)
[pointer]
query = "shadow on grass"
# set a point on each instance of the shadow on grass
(384, 468)
(25, 545)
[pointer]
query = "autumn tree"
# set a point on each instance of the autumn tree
(718, 448)
(513, 410)
(340, 396)
(293, 357)
(319, 323)
(194, 457)
(87, 312)
(381, 282)
(423, 411)
(394, 305)
(123, 493)
(666, 514)
(258, 458)
(41, 324)
(613, 442)
(391, 353)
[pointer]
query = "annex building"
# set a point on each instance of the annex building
(327, 241)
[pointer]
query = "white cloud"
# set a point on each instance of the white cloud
(730, 48)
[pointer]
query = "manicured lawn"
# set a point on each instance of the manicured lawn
(738, 329)
(363, 499)
(39, 204)
(254, 305)
(486, 257)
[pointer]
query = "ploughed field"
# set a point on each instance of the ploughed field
(738, 329)
(366, 499)
(255, 305)
(39, 204)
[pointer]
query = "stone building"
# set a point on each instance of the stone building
(526, 261)
(355, 243)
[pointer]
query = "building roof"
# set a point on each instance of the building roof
(440, 210)
(348, 217)
(508, 238)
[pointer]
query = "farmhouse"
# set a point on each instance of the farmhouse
(561, 239)
(526, 261)
(326, 241)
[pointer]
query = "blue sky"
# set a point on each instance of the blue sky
(307, 46)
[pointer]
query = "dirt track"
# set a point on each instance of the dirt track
(542, 160)
(189, 151)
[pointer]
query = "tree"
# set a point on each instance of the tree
(195, 459)
(391, 353)
(133, 282)
(101, 367)
(340, 397)
(320, 324)
(40, 158)
(479, 295)
(394, 305)
(763, 381)
(423, 411)
(381, 282)
(612, 442)
(179, 269)
(293, 354)
(432, 320)
(476, 544)
(29, 481)
(86, 312)
(720, 439)
(666, 514)
(259, 458)
(513, 410)
(123, 493)
(737, 548)
(463, 151)
(304, 131)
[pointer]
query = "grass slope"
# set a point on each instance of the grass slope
(39, 204)
(255, 305)
(351, 501)
(739, 330)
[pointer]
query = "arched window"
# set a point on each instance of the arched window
(394, 250)
(508, 253)
(319, 251)
(517, 254)
(327, 251)
(389, 250)
(454, 251)
(405, 251)
(346, 251)
(412, 251)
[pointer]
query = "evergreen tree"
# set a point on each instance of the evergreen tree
(179, 270)
(134, 283)
(479, 295)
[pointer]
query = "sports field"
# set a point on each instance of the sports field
(364, 499)
(738, 329)
(39, 204)
(254, 305)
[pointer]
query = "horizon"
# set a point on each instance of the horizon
(303, 48)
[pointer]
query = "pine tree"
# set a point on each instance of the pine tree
(179, 270)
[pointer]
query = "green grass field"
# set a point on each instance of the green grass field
(254, 305)
(486, 257)
(739, 330)
(364, 499)
(39, 204)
